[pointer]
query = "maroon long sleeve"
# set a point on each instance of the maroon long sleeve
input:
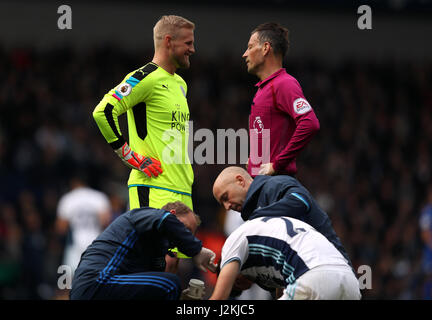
(281, 123)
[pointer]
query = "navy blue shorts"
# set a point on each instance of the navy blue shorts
(136, 286)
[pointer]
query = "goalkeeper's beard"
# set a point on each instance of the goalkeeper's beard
(182, 62)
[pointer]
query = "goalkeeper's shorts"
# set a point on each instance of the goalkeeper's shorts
(146, 196)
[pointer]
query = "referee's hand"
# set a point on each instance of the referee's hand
(205, 260)
(267, 169)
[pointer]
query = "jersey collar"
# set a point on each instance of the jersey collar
(274, 75)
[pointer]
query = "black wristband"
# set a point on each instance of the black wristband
(117, 144)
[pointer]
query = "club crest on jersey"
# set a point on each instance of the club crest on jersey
(301, 106)
(258, 125)
(183, 91)
(124, 89)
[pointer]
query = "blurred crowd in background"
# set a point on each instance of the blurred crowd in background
(369, 166)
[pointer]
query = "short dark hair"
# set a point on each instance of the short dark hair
(277, 35)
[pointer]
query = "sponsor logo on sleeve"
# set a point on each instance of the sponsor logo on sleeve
(301, 106)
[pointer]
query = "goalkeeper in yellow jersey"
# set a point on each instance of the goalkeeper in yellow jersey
(154, 98)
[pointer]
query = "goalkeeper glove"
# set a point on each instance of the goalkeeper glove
(136, 161)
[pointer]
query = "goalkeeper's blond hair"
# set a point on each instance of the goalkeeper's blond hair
(170, 24)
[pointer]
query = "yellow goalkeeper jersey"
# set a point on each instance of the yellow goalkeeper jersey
(158, 125)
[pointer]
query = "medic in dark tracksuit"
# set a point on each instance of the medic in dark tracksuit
(127, 261)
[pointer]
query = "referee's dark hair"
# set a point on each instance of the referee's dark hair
(276, 35)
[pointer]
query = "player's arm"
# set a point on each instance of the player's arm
(135, 88)
(234, 253)
(291, 101)
(225, 280)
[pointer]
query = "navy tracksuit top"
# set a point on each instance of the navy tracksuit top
(137, 241)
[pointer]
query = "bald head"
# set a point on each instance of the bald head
(231, 186)
(228, 175)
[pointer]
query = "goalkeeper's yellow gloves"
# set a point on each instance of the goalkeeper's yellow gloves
(151, 167)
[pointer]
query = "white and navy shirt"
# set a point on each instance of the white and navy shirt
(81, 207)
(275, 251)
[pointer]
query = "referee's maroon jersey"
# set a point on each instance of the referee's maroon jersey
(281, 123)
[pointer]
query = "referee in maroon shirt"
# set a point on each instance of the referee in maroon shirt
(281, 122)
